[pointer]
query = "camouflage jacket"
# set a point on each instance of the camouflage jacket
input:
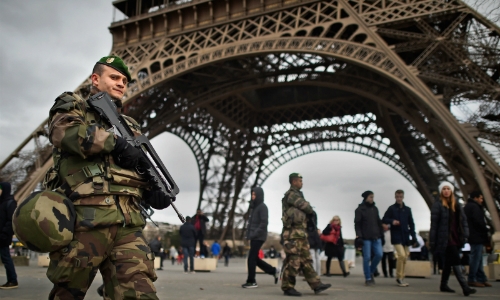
(84, 169)
(295, 209)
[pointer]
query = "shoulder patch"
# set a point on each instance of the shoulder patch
(65, 102)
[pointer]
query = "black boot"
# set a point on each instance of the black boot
(445, 288)
(463, 283)
(342, 267)
(292, 292)
(321, 287)
(100, 290)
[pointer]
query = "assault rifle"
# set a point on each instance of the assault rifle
(157, 173)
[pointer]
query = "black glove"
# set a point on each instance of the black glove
(125, 155)
(157, 199)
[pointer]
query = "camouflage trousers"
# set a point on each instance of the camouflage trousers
(298, 258)
(120, 253)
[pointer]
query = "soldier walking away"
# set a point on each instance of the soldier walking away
(478, 236)
(100, 173)
(200, 225)
(257, 234)
(7, 207)
(368, 226)
(448, 234)
(400, 218)
(295, 212)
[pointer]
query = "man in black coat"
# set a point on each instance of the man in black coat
(188, 242)
(400, 218)
(156, 248)
(368, 226)
(200, 225)
(257, 234)
(7, 207)
(478, 236)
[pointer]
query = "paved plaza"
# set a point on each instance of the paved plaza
(225, 283)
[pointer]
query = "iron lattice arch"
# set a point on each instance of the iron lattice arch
(252, 84)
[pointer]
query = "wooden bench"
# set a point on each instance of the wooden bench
(334, 267)
(205, 264)
(418, 268)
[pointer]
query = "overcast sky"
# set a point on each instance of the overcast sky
(48, 47)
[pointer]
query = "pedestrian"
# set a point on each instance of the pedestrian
(388, 259)
(156, 247)
(257, 234)
(368, 226)
(101, 174)
(7, 207)
(315, 244)
(226, 252)
(200, 225)
(272, 253)
(188, 242)
(180, 255)
(334, 245)
(478, 236)
(215, 249)
(173, 254)
(416, 252)
(449, 231)
(400, 218)
(295, 210)
(204, 250)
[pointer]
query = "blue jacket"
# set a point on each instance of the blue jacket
(215, 248)
(400, 234)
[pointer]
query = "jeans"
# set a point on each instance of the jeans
(371, 248)
(476, 272)
(188, 252)
(8, 264)
(254, 261)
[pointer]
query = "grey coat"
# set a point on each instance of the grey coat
(259, 216)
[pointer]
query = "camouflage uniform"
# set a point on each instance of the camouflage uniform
(108, 230)
(295, 244)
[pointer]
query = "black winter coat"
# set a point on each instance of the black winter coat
(331, 249)
(155, 246)
(188, 235)
(400, 234)
(203, 223)
(259, 217)
(7, 207)
(440, 227)
(367, 222)
(478, 232)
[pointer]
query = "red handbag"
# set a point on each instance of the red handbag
(327, 238)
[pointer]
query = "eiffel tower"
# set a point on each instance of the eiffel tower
(252, 84)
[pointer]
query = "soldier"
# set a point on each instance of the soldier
(97, 171)
(295, 213)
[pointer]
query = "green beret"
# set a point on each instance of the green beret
(294, 175)
(116, 63)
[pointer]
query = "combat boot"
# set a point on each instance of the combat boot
(292, 292)
(321, 287)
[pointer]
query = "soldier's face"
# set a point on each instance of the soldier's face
(110, 81)
(297, 182)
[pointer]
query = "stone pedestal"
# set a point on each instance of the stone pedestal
(43, 260)
(157, 262)
(205, 264)
(274, 262)
(334, 267)
(494, 270)
(417, 268)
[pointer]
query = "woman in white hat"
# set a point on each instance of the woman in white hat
(449, 232)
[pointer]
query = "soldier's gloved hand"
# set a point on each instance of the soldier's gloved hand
(157, 199)
(125, 155)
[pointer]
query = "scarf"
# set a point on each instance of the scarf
(335, 233)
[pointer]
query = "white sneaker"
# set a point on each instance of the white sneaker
(192, 272)
(402, 283)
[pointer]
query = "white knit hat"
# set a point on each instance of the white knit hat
(448, 184)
